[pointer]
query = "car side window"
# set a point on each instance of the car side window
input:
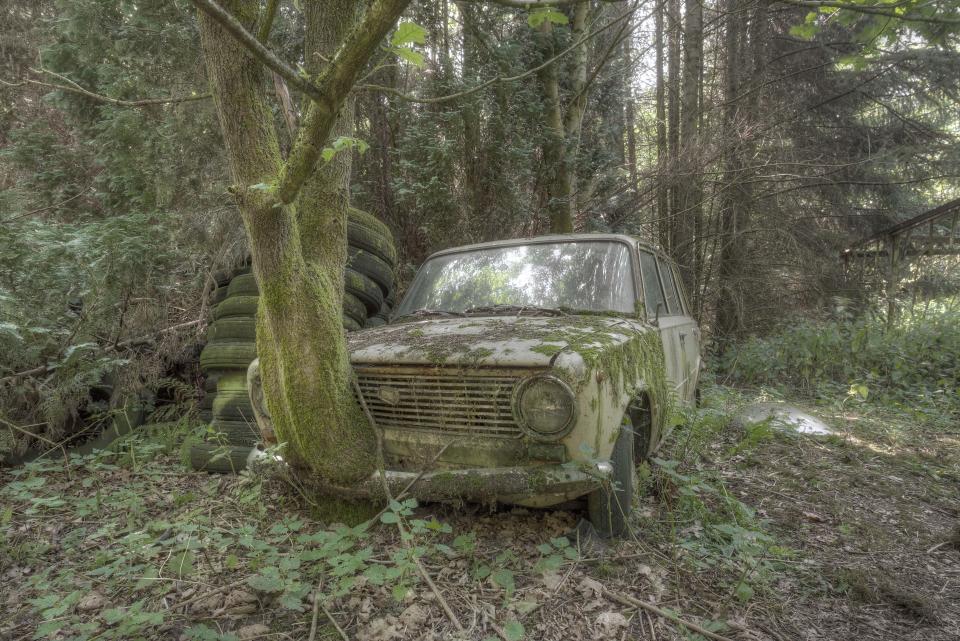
(652, 292)
(670, 289)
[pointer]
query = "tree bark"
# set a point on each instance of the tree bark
(294, 216)
(688, 219)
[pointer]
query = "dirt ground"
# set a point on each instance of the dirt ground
(751, 533)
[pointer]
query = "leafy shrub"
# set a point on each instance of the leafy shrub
(915, 362)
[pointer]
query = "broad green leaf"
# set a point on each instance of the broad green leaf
(538, 16)
(408, 33)
(413, 57)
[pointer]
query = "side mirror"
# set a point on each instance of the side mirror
(656, 317)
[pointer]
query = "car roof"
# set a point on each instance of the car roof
(552, 238)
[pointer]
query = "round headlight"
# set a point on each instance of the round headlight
(545, 405)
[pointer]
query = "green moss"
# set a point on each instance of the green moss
(349, 512)
(547, 349)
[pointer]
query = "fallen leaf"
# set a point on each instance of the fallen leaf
(92, 601)
(611, 621)
(252, 631)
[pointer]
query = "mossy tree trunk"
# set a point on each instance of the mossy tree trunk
(294, 213)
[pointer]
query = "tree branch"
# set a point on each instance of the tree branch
(263, 34)
(873, 10)
(257, 49)
(483, 85)
(334, 85)
(73, 87)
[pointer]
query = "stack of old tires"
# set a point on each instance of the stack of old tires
(231, 339)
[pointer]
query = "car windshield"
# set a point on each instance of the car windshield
(574, 275)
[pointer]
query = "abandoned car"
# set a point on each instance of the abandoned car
(544, 369)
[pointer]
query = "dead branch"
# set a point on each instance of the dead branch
(626, 599)
(73, 87)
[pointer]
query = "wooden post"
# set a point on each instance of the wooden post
(893, 276)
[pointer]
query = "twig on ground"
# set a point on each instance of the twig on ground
(628, 600)
(317, 608)
(206, 595)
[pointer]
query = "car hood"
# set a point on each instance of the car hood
(500, 341)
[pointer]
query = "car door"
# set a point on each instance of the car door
(683, 327)
(657, 306)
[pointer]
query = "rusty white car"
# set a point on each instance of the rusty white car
(531, 372)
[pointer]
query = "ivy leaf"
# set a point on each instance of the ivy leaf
(408, 33)
(547, 14)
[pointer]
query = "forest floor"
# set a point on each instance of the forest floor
(752, 532)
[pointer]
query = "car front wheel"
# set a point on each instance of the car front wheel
(610, 505)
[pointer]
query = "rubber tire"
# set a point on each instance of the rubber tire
(225, 459)
(235, 328)
(365, 219)
(228, 355)
(218, 295)
(237, 432)
(237, 306)
(362, 237)
(609, 506)
(233, 382)
(371, 265)
(367, 291)
(232, 408)
(244, 285)
(351, 325)
(353, 308)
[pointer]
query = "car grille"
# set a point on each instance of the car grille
(451, 402)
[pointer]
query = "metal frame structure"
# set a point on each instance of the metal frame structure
(933, 233)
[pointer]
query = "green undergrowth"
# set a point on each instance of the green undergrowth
(912, 367)
(706, 528)
(119, 544)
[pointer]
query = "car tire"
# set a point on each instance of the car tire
(219, 295)
(354, 308)
(225, 459)
(228, 355)
(360, 217)
(244, 285)
(367, 291)
(237, 432)
(609, 506)
(237, 306)
(371, 265)
(235, 328)
(365, 238)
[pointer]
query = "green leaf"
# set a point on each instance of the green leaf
(182, 563)
(413, 57)
(389, 517)
(513, 630)
(546, 14)
(743, 592)
(408, 33)
(504, 578)
(805, 31)
(400, 592)
(267, 580)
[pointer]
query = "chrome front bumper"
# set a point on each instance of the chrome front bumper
(539, 485)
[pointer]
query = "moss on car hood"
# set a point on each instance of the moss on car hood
(573, 342)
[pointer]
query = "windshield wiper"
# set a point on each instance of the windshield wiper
(423, 311)
(519, 309)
